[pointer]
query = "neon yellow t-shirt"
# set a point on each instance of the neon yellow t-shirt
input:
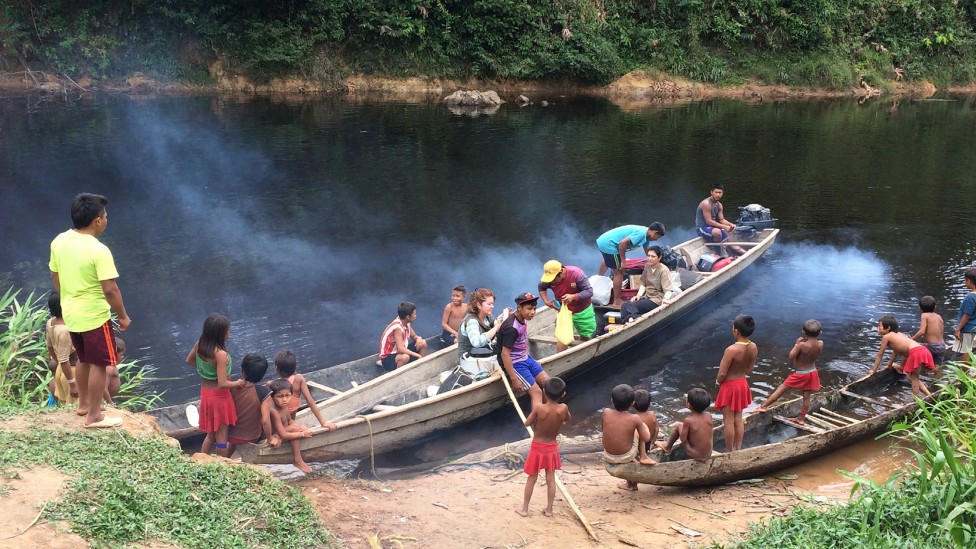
(82, 262)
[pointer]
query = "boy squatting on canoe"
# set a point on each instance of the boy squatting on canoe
(624, 434)
(546, 418)
(805, 377)
(916, 354)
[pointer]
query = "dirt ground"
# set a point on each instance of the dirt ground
(475, 506)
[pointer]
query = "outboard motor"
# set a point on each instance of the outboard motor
(753, 218)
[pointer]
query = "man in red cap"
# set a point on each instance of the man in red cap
(571, 287)
(524, 372)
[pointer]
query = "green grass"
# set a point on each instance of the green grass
(127, 490)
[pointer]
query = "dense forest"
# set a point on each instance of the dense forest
(826, 43)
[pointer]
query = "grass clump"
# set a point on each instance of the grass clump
(135, 489)
(931, 505)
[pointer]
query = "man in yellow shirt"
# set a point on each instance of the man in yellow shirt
(84, 274)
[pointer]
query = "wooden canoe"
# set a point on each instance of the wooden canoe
(172, 420)
(395, 410)
(864, 408)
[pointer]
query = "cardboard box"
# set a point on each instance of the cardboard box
(634, 281)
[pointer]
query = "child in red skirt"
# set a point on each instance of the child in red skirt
(209, 356)
(547, 417)
(733, 389)
(805, 378)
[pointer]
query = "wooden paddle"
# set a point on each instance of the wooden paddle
(559, 483)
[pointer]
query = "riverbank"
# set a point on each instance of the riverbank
(633, 90)
(464, 507)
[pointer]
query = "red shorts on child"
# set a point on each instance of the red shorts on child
(918, 357)
(96, 347)
(809, 381)
(735, 394)
(542, 456)
(216, 409)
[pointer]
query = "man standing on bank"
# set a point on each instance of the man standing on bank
(83, 272)
(571, 287)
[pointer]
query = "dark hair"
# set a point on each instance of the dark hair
(459, 288)
(889, 322)
(555, 387)
(86, 208)
(285, 362)
(642, 400)
(214, 336)
(54, 304)
(718, 186)
(658, 227)
(622, 397)
(405, 309)
(699, 399)
(254, 367)
(280, 385)
(927, 304)
(119, 346)
(745, 325)
(970, 274)
(812, 328)
(657, 251)
(478, 297)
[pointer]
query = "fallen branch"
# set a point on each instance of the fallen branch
(700, 510)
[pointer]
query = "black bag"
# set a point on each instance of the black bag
(672, 259)
(458, 378)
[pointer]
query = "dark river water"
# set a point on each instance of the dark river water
(307, 222)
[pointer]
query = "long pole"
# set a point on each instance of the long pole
(559, 483)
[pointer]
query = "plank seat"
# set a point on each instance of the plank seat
(795, 425)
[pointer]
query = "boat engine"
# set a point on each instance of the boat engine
(753, 218)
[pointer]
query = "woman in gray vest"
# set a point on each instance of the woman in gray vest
(478, 328)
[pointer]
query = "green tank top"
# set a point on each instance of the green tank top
(208, 370)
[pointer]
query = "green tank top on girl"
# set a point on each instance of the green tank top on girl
(208, 370)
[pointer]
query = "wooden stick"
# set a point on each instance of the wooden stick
(821, 423)
(788, 421)
(707, 512)
(321, 387)
(838, 416)
(559, 483)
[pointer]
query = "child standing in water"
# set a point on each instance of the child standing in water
(547, 418)
(733, 388)
(209, 356)
(805, 378)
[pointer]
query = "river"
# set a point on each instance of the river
(308, 220)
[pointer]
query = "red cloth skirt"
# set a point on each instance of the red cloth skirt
(735, 394)
(803, 382)
(918, 357)
(542, 455)
(216, 409)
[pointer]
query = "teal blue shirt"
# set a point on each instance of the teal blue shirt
(609, 242)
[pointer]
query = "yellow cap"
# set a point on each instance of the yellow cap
(550, 270)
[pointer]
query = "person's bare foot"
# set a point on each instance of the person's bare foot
(616, 304)
(627, 486)
(663, 446)
(303, 467)
(547, 512)
(798, 420)
(522, 512)
(82, 411)
(647, 461)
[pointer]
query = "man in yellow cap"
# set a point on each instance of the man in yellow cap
(570, 286)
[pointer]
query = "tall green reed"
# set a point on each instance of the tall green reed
(24, 373)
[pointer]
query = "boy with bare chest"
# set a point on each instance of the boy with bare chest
(624, 433)
(932, 329)
(804, 355)
(546, 419)
(695, 432)
(916, 355)
(734, 394)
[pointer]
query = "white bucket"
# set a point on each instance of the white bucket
(475, 365)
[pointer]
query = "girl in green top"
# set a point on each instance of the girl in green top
(209, 355)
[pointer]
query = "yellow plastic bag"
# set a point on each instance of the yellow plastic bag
(564, 326)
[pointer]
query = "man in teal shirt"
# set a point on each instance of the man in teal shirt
(614, 245)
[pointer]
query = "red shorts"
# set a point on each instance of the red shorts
(918, 357)
(216, 409)
(803, 382)
(96, 347)
(735, 394)
(542, 455)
